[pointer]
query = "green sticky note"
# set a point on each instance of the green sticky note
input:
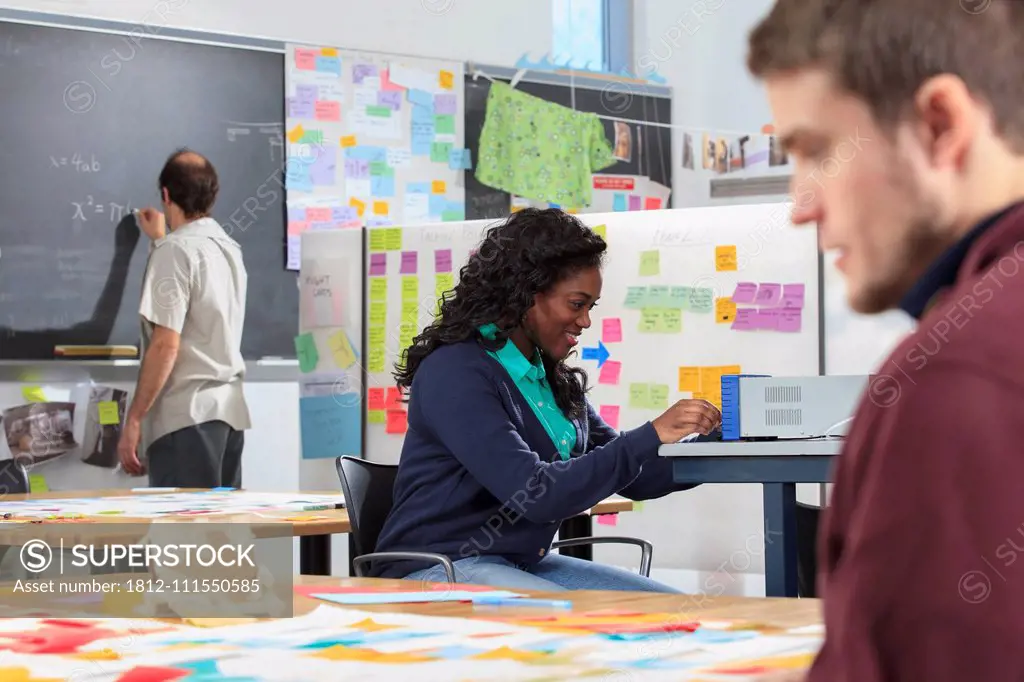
(639, 395)
(375, 360)
(658, 396)
(658, 296)
(305, 348)
(378, 288)
(410, 312)
(37, 484)
(382, 112)
(702, 300)
(651, 320)
(378, 240)
(312, 137)
(378, 313)
(650, 263)
(638, 506)
(393, 237)
(377, 417)
(671, 320)
(379, 168)
(108, 413)
(410, 288)
(376, 336)
(679, 298)
(451, 216)
(440, 152)
(636, 297)
(33, 394)
(444, 124)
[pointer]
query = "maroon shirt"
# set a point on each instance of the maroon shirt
(922, 546)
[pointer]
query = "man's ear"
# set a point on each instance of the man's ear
(165, 195)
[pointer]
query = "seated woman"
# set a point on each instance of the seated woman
(502, 444)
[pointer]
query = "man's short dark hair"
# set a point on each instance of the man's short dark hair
(191, 182)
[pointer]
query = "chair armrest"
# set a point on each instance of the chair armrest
(646, 548)
(449, 567)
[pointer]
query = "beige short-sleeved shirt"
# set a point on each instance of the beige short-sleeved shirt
(195, 284)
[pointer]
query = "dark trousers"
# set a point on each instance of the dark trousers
(207, 455)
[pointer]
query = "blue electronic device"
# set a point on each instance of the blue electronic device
(731, 404)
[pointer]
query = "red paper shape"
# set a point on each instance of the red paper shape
(153, 674)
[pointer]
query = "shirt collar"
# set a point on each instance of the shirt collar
(943, 272)
(200, 227)
(512, 358)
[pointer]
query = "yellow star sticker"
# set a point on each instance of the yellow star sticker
(508, 654)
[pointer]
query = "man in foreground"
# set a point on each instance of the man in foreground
(189, 390)
(906, 124)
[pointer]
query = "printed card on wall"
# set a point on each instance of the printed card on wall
(373, 140)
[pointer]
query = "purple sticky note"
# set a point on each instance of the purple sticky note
(768, 294)
(307, 93)
(789, 319)
(745, 292)
(344, 213)
(296, 215)
(322, 170)
(746, 320)
(408, 263)
(390, 98)
(634, 202)
(793, 296)
(378, 264)
(357, 169)
(299, 109)
(361, 71)
(768, 319)
(445, 104)
(443, 260)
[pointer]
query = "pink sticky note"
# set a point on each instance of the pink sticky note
(443, 260)
(793, 296)
(746, 320)
(297, 227)
(610, 372)
(378, 264)
(745, 292)
(652, 203)
(386, 84)
(635, 202)
(610, 414)
(327, 110)
(611, 330)
(768, 294)
(608, 519)
(318, 215)
(305, 59)
(790, 319)
(408, 263)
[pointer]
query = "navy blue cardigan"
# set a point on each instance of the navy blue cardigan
(479, 475)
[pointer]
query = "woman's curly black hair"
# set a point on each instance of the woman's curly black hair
(527, 254)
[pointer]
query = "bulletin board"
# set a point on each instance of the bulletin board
(691, 294)
(372, 139)
(408, 268)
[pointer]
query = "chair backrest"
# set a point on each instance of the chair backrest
(369, 494)
(13, 478)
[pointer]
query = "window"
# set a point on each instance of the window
(580, 28)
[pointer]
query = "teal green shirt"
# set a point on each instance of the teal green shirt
(531, 380)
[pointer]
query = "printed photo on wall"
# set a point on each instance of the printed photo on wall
(688, 151)
(776, 154)
(40, 431)
(709, 152)
(738, 153)
(623, 141)
(722, 156)
(105, 416)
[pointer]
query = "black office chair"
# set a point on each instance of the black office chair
(369, 494)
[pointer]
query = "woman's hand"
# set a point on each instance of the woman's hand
(686, 417)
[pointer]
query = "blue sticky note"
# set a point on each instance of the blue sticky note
(619, 202)
(438, 203)
(421, 98)
(329, 64)
(331, 425)
(298, 176)
(383, 185)
(459, 159)
(367, 153)
(417, 188)
(454, 210)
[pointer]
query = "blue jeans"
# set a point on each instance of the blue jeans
(553, 573)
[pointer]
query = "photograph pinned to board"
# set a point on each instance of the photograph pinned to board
(104, 420)
(623, 142)
(688, 151)
(40, 431)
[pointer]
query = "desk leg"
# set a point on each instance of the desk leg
(315, 555)
(780, 552)
(352, 554)
(579, 526)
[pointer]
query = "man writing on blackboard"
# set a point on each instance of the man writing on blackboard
(189, 392)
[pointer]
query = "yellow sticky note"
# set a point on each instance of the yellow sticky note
(378, 240)
(348, 141)
(438, 187)
(378, 288)
(446, 79)
(659, 396)
(725, 310)
(37, 483)
(725, 258)
(639, 395)
(341, 349)
(376, 337)
(650, 263)
(410, 288)
(671, 320)
(393, 238)
(410, 312)
(376, 416)
(638, 506)
(602, 231)
(380, 208)
(443, 281)
(689, 379)
(108, 412)
(730, 369)
(711, 380)
(375, 360)
(329, 51)
(33, 394)
(358, 205)
(378, 312)
(295, 134)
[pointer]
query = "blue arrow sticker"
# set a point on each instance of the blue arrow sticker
(600, 354)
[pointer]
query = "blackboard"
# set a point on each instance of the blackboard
(87, 120)
(617, 100)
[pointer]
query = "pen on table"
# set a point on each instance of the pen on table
(515, 601)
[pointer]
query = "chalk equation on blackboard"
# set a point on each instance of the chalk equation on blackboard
(77, 162)
(273, 131)
(116, 211)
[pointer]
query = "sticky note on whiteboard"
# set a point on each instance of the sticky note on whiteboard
(610, 414)
(108, 413)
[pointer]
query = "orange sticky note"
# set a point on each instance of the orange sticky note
(348, 141)
(438, 187)
(446, 79)
(375, 399)
(358, 205)
(725, 258)
(608, 519)
(295, 134)
(689, 379)
(652, 203)
(397, 422)
(329, 51)
(725, 310)
(380, 208)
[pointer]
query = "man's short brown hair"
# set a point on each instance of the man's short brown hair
(882, 51)
(191, 182)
